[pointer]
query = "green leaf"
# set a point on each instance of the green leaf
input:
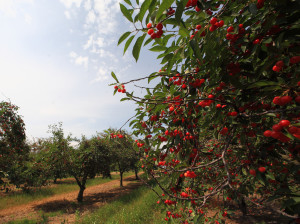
(171, 21)
(126, 12)
(147, 41)
(128, 2)
(158, 48)
(125, 98)
(180, 8)
(262, 83)
(128, 42)
(123, 37)
(143, 9)
(195, 48)
(253, 9)
(184, 31)
(114, 76)
(137, 47)
(164, 6)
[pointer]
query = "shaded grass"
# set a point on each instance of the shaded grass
(19, 198)
(139, 206)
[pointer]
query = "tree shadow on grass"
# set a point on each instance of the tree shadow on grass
(90, 202)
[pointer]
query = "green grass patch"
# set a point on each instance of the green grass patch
(19, 198)
(139, 206)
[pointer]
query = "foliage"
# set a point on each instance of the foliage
(13, 148)
(124, 152)
(58, 151)
(223, 118)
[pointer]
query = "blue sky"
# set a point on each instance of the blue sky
(56, 57)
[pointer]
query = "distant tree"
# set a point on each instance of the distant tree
(13, 148)
(58, 150)
(123, 149)
(87, 160)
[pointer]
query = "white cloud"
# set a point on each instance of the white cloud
(69, 3)
(91, 17)
(89, 42)
(79, 60)
(82, 61)
(28, 19)
(67, 15)
(103, 74)
(73, 54)
(88, 5)
(100, 42)
(10, 8)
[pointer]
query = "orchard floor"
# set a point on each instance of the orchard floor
(64, 208)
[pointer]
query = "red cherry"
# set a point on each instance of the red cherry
(153, 35)
(213, 20)
(212, 28)
(234, 113)
(276, 68)
(286, 99)
(275, 134)
(277, 127)
(279, 63)
(257, 41)
(149, 25)
(150, 31)
(277, 100)
(297, 99)
(252, 172)
(221, 23)
(262, 169)
(116, 87)
(198, 27)
(267, 133)
(294, 60)
(159, 26)
(293, 130)
(230, 29)
(284, 123)
(183, 86)
(197, 9)
(171, 109)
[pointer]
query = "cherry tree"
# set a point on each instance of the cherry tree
(222, 119)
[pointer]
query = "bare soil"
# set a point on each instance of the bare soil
(65, 206)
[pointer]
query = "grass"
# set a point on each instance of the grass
(139, 206)
(43, 218)
(19, 198)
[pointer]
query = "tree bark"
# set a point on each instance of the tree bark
(121, 179)
(80, 194)
(243, 206)
(136, 170)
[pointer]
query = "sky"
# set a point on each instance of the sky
(56, 57)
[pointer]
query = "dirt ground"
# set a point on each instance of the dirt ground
(64, 208)
(94, 197)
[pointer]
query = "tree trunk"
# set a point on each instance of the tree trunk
(243, 206)
(136, 170)
(80, 194)
(121, 179)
